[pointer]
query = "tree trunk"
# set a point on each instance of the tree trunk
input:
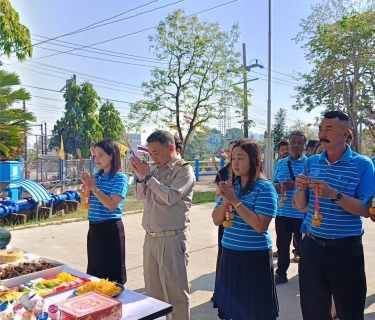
(353, 119)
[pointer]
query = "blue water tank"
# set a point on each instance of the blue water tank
(10, 170)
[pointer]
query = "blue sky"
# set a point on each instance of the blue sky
(54, 18)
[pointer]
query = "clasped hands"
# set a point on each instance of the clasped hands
(226, 191)
(324, 190)
(140, 167)
(89, 181)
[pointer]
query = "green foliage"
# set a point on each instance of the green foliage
(195, 79)
(110, 120)
(279, 127)
(343, 57)
(13, 120)
(203, 145)
(14, 37)
(233, 134)
(80, 123)
(307, 128)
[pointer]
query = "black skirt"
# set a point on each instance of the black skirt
(106, 250)
(245, 286)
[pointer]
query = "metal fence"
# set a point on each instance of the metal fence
(42, 170)
(47, 172)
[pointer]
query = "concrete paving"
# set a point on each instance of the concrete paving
(67, 243)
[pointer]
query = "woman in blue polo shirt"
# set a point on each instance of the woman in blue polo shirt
(106, 236)
(245, 285)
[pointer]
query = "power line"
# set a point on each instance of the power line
(273, 58)
(284, 74)
(95, 58)
(136, 32)
(275, 78)
(96, 85)
(102, 50)
(120, 101)
(70, 72)
(108, 53)
(95, 25)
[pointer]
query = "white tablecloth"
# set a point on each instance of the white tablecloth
(134, 305)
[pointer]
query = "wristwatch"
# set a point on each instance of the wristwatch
(338, 197)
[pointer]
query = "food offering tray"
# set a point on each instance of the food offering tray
(51, 285)
(15, 273)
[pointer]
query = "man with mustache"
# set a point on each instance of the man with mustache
(332, 260)
(288, 220)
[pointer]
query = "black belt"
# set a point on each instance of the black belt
(334, 242)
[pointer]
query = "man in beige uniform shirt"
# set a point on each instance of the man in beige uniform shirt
(167, 187)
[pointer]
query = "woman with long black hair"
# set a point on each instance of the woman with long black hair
(245, 284)
(106, 236)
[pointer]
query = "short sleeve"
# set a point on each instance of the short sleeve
(219, 202)
(266, 201)
(120, 185)
(274, 176)
(366, 186)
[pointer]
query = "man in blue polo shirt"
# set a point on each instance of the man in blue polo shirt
(332, 261)
(288, 220)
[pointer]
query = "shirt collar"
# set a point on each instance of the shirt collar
(347, 156)
(106, 176)
(289, 158)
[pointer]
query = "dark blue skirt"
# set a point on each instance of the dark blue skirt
(245, 286)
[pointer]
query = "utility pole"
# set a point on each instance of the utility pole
(45, 137)
(67, 82)
(41, 136)
(360, 137)
(25, 137)
(245, 102)
(269, 156)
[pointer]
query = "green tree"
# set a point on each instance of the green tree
(13, 120)
(80, 123)
(14, 37)
(279, 127)
(196, 56)
(110, 120)
(307, 128)
(232, 134)
(343, 56)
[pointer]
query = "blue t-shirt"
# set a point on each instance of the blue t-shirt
(352, 175)
(282, 174)
(371, 192)
(118, 185)
(262, 199)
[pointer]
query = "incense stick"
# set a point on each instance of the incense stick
(79, 154)
(306, 170)
(216, 167)
(127, 142)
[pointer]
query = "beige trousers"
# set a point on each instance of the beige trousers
(165, 262)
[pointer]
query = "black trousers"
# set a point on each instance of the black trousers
(220, 233)
(285, 228)
(333, 270)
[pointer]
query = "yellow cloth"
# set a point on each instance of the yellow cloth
(199, 129)
(62, 152)
(123, 149)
